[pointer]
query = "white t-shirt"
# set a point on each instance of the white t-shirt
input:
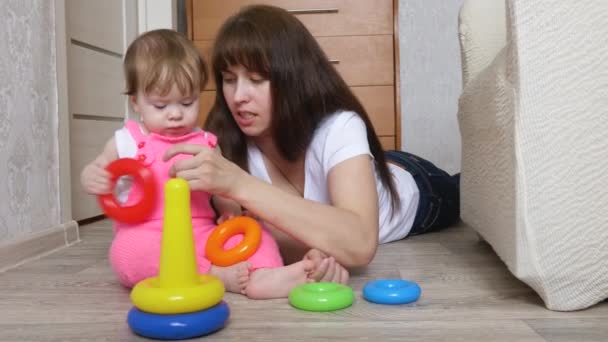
(339, 137)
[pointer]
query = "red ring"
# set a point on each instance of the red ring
(143, 177)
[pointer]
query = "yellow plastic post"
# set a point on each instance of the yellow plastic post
(178, 288)
(178, 266)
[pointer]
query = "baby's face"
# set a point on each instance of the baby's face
(173, 114)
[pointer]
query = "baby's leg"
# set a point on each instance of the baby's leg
(235, 277)
(134, 255)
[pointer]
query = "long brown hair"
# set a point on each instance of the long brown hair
(305, 87)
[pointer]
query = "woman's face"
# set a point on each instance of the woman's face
(248, 97)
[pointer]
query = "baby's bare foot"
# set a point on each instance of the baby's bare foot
(235, 277)
(267, 283)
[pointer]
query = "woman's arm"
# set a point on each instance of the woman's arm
(226, 208)
(347, 229)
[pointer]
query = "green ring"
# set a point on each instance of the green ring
(321, 297)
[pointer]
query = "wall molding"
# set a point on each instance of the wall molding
(17, 253)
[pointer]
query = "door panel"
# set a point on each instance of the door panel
(97, 35)
(376, 68)
(96, 86)
(321, 17)
(378, 101)
(87, 139)
(98, 23)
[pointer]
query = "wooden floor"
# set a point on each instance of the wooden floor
(467, 295)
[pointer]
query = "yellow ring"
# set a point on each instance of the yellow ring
(148, 296)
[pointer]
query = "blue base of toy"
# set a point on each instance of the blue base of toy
(391, 291)
(180, 326)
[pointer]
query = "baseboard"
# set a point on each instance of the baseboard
(35, 246)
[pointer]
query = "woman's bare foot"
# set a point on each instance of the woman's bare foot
(235, 277)
(326, 268)
(329, 270)
(267, 283)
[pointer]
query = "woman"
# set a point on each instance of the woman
(300, 151)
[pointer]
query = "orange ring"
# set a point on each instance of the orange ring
(239, 225)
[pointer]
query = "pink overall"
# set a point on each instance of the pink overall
(135, 250)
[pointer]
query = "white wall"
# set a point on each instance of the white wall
(156, 14)
(430, 77)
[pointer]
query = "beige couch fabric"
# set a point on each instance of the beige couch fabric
(534, 123)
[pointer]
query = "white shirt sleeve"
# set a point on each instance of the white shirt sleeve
(126, 148)
(346, 138)
(125, 144)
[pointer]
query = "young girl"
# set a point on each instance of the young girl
(164, 77)
(317, 171)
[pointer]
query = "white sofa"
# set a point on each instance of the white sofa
(533, 117)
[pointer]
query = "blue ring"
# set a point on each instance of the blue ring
(180, 326)
(391, 291)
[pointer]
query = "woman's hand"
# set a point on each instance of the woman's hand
(326, 268)
(207, 170)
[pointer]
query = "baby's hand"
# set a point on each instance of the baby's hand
(95, 178)
(250, 214)
(228, 215)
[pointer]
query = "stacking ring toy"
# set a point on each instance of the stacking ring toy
(238, 225)
(391, 291)
(177, 327)
(149, 296)
(321, 297)
(144, 177)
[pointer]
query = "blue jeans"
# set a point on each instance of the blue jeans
(439, 205)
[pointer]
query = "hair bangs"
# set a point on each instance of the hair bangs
(242, 45)
(161, 78)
